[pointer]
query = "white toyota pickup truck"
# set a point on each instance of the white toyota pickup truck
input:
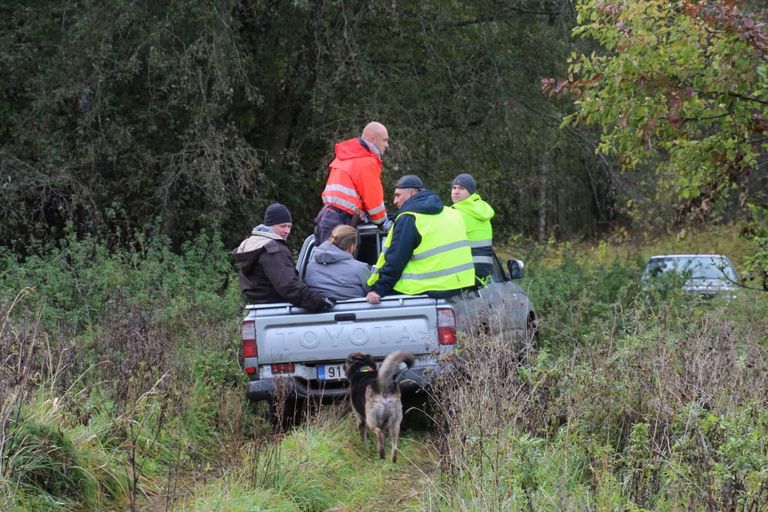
(290, 352)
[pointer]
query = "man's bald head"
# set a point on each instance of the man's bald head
(377, 134)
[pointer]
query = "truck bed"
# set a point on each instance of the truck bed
(400, 322)
(306, 351)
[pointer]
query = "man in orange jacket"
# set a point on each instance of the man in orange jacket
(353, 190)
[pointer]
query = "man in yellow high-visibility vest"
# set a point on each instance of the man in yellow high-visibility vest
(477, 215)
(426, 251)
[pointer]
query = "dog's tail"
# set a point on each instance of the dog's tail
(392, 366)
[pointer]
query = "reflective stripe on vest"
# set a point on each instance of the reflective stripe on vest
(376, 210)
(340, 191)
(483, 259)
(341, 188)
(439, 273)
(438, 250)
(441, 262)
(337, 201)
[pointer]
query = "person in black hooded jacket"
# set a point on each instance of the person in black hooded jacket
(267, 272)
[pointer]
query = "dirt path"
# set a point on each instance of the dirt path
(393, 488)
(400, 487)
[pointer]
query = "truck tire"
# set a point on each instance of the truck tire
(286, 414)
(532, 339)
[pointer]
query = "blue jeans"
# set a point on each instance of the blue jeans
(326, 220)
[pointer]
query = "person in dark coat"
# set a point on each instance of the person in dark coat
(333, 269)
(267, 271)
(434, 259)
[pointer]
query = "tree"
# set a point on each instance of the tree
(117, 113)
(196, 115)
(681, 84)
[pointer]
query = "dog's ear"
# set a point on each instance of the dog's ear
(355, 356)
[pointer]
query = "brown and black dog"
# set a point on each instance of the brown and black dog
(375, 395)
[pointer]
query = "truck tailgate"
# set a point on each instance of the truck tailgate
(353, 326)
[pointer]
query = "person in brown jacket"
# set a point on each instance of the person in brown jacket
(267, 271)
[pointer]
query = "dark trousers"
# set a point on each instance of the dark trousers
(327, 219)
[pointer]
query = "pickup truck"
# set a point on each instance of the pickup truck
(289, 352)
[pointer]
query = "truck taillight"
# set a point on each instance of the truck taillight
(248, 339)
(283, 368)
(446, 326)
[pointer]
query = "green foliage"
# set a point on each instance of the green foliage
(650, 404)
(681, 85)
(635, 402)
(202, 115)
(48, 467)
(575, 301)
(756, 232)
(125, 363)
(81, 278)
(723, 455)
(132, 106)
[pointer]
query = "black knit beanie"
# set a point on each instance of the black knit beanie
(277, 214)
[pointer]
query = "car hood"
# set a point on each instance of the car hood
(704, 285)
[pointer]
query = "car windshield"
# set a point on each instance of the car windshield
(699, 267)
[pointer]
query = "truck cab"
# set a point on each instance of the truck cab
(501, 307)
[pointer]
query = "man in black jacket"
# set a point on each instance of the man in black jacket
(434, 259)
(267, 272)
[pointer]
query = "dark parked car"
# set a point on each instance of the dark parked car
(703, 274)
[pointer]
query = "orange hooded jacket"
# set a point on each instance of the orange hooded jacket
(354, 183)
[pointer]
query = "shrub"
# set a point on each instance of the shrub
(135, 347)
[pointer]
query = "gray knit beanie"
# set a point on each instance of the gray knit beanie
(276, 214)
(466, 181)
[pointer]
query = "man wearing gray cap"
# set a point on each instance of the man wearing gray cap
(477, 215)
(267, 272)
(426, 250)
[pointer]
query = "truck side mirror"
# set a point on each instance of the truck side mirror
(515, 268)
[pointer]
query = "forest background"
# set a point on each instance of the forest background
(194, 115)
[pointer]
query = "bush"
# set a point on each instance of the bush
(125, 361)
(575, 301)
(649, 403)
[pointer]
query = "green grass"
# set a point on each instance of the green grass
(120, 383)
(320, 466)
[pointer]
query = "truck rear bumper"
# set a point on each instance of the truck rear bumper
(265, 389)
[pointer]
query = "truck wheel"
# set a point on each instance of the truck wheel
(285, 414)
(532, 339)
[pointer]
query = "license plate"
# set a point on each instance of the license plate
(331, 372)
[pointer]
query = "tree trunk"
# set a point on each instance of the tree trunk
(544, 172)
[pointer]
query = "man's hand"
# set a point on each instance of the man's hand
(373, 297)
(386, 225)
(329, 303)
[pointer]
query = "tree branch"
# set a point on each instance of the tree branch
(747, 98)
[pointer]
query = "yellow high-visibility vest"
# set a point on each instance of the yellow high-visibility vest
(441, 262)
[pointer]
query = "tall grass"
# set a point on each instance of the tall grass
(119, 389)
(119, 371)
(636, 402)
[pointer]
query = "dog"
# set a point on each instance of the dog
(375, 395)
